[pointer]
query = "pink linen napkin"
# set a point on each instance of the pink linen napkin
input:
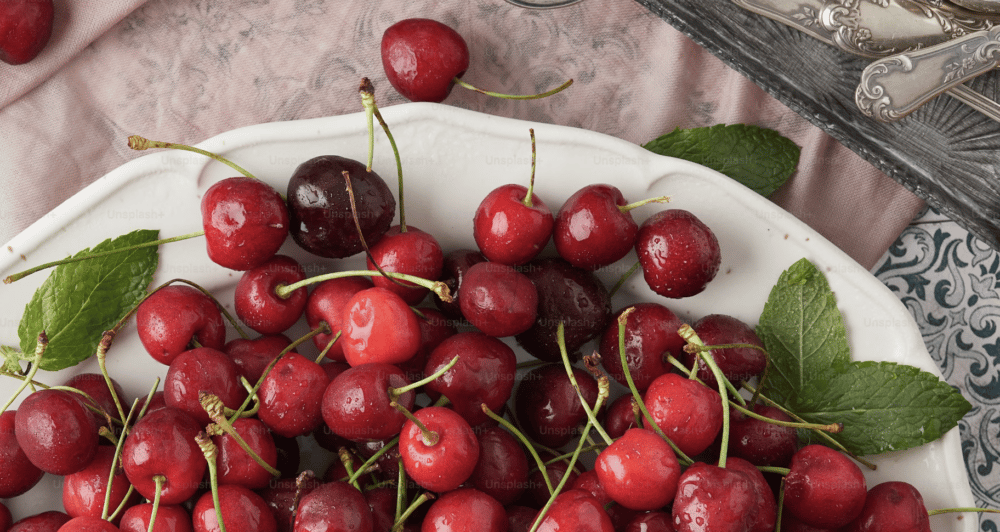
(186, 70)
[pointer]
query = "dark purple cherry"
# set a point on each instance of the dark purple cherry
(547, 407)
(456, 263)
(738, 364)
(259, 306)
(502, 469)
(762, 443)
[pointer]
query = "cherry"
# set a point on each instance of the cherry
(714, 498)
(510, 229)
(334, 506)
(171, 318)
(767, 507)
(570, 296)
(326, 305)
(650, 335)
(291, 396)
(382, 502)
(44, 522)
(447, 459)
(520, 518)
(198, 370)
(537, 492)
(502, 469)
(456, 263)
(320, 206)
(83, 492)
(96, 387)
(378, 326)
(56, 431)
(422, 58)
(161, 448)
(25, 29)
(280, 497)
(619, 416)
(256, 302)
(547, 407)
(169, 518)
(656, 521)
(576, 510)
(387, 464)
(484, 374)
(356, 404)
(435, 328)
(465, 509)
(678, 253)
(738, 364)
(498, 300)
(410, 251)
(790, 523)
(824, 488)
(88, 524)
(593, 229)
(18, 474)
(892, 507)
(639, 470)
(252, 356)
(688, 412)
(235, 466)
(6, 519)
(241, 509)
(762, 443)
(245, 222)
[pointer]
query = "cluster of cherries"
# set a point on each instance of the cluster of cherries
(430, 422)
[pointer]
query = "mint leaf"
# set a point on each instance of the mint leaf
(80, 300)
(11, 359)
(802, 330)
(759, 158)
(884, 406)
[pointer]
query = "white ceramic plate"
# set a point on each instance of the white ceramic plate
(452, 158)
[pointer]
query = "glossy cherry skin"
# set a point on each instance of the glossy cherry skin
(88, 524)
(252, 356)
(767, 507)
(546, 406)
(422, 58)
(892, 507)
(198, 370)
(169, 518)
(56, 431)
(502, 468)
(445, 464)
(241, 509)
(291, 396)
(235, 466)
(94, 385)
(688, 412)
(651, 522)
(18, 474)
(570, 296)
(825, 488)
(319, 206)
(639, 470)
(716, 499)
(465, 509)
(591, 230)
(326, 305)
(356, 404)
(382, 502)
(334, 506)
(619, 416)
(484, 374)
(413, 252)
(258, 305)
(509, 232)
(83, 492)
(170, 318)
(576, 510)
(25, 29)
(678, 253)
(790, 523)
(498, 300)
(280, 497)
(43, 522)
(456, 263)
(650, 335)
(738, 364)
(762, 443)
(245, 222)
(379, 326)
(163, 443)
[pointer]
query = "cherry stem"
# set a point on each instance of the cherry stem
(461, 83)
(832, 427)
(361, 234)
(394, 393)
(371, 109)
(565, 478)
(214, 407)
(524, 440)
(621, 280)
(636, 396)
(733, 392)
(688, 334)
(959, 510)
(211, 453)
(348, 461)
(438, 287)
(41, 344)
(158, 480)
(431, 438)
(114, 461)
(329, 345)
(102, 355)
(659, 199)
(371, 460)
(300, 482)
(122, 505)
(21, 275)
(400, 492)
(603, 385)
(138, 143)
(531, 184)
(421, 499)
(783, 471)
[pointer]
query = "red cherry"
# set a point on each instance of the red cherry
(824, 488)
(892, 507)
(334, 506)
(422, 57)
(715, 498)
(6, 519)
(767, 507)
(484, 374)
(56, 431)
(576, 510)
(465, 510)
(245, 222)
(252, 356)
(88, 524)
(281, 498)
(44, 522)
(25, 29)
(509, 232)
(326, 305)
(619, 416)
(379, 327)
(591, 230)
(547, 407)
(498, 300)
(537, 493)
(291, 396)
(446, 463)
(456, 263)
(678, 253)
(241, 509)
(762, 443)
(737, 363)
(169, 319)
(412, 252)
(650, 335)
(502, 469)
(259, 306)
(356, 404)
(688, 412)
(83, 492)
(198, 370)
(169, 518)
(656, 521)
(235, 466)
(382, 502)
(94, 385)
(18, 474)
(639, 470)
(163, 443)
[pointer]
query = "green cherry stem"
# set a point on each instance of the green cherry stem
(211, 453)
(371, 461)
(531, 183)
(430, 437)
(158, 480)
(400, 492)
(688, 334)
(371, 109)
(733, 392)
(524, 440)
(562, 481)
(122, 505)
(437, 287)
(640, 203)
(623, 279)
(41, 344)
(832, 427)
(139, 143)
(603, 385)
(114, 461)
(394, 393)
(461, 83)
(345, 458)
(421, 499)
(214, 408)
(959, 510)
(102, 355)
